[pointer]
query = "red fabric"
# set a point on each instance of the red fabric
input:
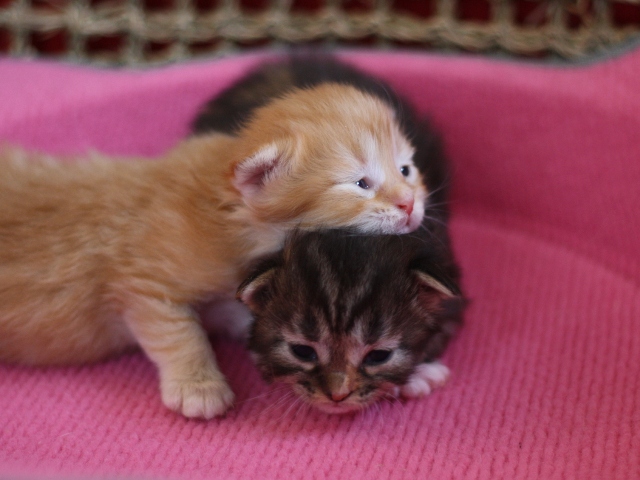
(545, 373)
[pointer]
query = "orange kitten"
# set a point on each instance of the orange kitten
(100, 256)
(350, 164)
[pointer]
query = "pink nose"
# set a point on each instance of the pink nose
(406, 205)
(338, 397)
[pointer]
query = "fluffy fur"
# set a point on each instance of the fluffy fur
(351, 155)
(347, 319)
(98, 256)
(338, 136)
(234, 108)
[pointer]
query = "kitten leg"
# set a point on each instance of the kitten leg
(190, 381)
(426, 378)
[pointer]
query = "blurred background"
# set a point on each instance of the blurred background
(138, 32)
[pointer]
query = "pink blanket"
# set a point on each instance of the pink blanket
(546, 372)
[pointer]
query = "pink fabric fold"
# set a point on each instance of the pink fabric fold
(546, 225)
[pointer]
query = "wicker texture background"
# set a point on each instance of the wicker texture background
(152, 31)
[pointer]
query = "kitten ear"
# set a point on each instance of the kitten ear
(436, 274)
(435, 294)
(428, 281)
(254, 290)
(446, 305)
(252, 173)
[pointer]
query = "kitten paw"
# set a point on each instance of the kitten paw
(204, 398)
(426, 378)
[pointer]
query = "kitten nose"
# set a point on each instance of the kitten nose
(338, 387)
(339, 396)
(406, 204)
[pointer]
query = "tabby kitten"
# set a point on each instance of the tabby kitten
(347, 319)
(99, 256)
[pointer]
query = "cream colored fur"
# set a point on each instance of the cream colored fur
(99, 255)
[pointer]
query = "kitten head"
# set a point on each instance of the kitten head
(330, 156)
(346, 319)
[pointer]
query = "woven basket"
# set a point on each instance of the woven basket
(160, 31)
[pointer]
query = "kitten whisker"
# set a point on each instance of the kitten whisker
(443, 186)
(373, 411)
(394, 400)
(434, 219)
(282, 395)
(434, 207)
(296, 401)
(304, 406)
(433, 236)
(280, 402)
(269, 391)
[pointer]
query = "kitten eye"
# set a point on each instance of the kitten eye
(304, 352)
(377, 357)
(405, 170)
(362, 183)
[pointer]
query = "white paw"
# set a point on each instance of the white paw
(205, 398)
(425, 379)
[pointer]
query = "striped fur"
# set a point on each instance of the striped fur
(345, 295)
